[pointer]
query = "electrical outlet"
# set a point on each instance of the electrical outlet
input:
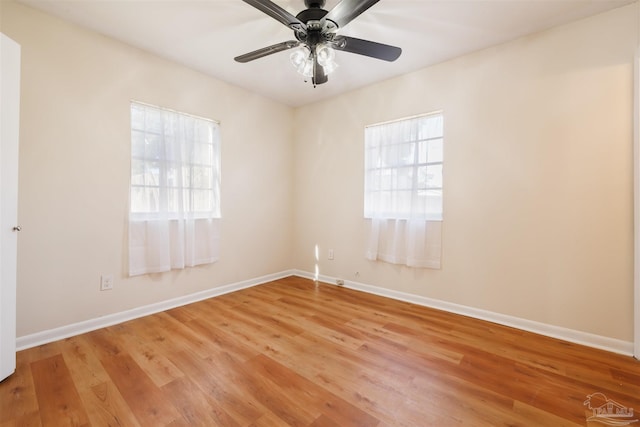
(106, 282)
(330, 254)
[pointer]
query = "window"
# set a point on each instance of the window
(403, 168)
(174, 164)
(174, 190)
(403, 190)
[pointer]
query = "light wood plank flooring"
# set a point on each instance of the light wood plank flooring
(295, 353)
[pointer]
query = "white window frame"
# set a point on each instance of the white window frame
(378, 169)
(160, 182)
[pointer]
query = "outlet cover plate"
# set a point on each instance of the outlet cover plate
(106, 282)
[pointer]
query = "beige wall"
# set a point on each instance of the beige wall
(537, 178)
(74, 169)
(538, 175)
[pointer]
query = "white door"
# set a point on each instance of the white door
(9, 122)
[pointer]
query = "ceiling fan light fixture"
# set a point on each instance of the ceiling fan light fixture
(299, 56)
(302, 61)
(325, 56)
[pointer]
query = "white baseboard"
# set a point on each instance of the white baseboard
(43, 337)
(597, 341)
(578, 337)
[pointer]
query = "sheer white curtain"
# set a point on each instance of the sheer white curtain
(415, 243)
(161, 245)
(174, 196)
(403, 191)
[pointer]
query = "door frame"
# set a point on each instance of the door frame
(636, 204)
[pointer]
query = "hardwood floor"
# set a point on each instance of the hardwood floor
(294, 353)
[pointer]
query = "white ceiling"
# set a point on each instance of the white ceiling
(207, 34)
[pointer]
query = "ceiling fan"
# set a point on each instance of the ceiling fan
(316, 39)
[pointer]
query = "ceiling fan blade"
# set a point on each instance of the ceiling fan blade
(348, 10)
(319, 76)
(267, 51)
(278, 13)
(366, 48)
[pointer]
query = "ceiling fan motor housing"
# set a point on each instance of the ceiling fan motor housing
(314, 3)
(317, 31)
(311, 14)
